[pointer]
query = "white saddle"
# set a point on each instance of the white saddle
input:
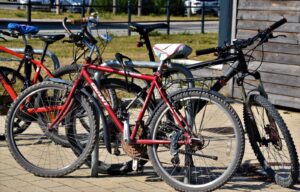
(169, 51)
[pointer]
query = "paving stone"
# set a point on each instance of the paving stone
(125, 189)
(77, 184)
(4, 177)
(14, 178)
(137, 185)
(6, 189)
(14, 183)
(94, 189)
(63, 189)
(47, 183)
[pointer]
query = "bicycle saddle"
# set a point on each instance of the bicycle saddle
(50, 38)
(171, 51)
(22, 29)
(140, 28)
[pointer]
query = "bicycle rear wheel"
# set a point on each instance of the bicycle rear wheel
(36, 150)
(271, 141)
(216, 148)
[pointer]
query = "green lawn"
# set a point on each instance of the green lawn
(104, 16)
(127, 46)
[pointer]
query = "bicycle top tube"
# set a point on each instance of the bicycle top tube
(56, 63)
(20, 56)
(173, 66)
(120, 72)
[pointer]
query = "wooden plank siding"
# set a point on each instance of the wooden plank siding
(280, 69)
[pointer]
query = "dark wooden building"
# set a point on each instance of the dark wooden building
(281, 67)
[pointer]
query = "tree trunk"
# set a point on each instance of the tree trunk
(57, 7)
(114, 7)
(140, 5)
(91, 3)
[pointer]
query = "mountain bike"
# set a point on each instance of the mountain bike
(268, 134)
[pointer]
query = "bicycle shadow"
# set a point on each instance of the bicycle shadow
(245, 180)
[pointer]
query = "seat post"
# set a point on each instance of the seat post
(44, 52)
(24, 40)
(145, 35)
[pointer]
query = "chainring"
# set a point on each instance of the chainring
(135, 151)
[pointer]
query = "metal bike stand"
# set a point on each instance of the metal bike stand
(134, 64)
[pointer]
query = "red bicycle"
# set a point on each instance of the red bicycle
(12, 81)
(191, 150)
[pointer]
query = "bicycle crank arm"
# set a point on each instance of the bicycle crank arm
(199, 155)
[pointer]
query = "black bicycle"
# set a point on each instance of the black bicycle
(268, 134)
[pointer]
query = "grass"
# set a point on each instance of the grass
(125, 45)
(104, 16)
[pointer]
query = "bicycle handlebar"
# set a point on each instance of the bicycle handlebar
(75, 37)
(206, 51)
(78, 21)
(65, 26)
(240, 43)
(277, 24)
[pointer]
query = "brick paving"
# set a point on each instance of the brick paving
(14, 178)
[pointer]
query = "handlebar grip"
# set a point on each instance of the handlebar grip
(206, 51)
(277, 24)
(78, 21)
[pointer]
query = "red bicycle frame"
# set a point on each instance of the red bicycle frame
(39, 65)
(155, 83)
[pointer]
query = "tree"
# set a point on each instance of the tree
(140, 4)
(91, 3)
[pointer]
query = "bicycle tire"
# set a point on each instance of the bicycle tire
(19, 79)
(286, 175)
(34, 150)
(168, 130)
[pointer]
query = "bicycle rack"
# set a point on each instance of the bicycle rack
(134, 64)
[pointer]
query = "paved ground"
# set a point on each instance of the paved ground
(14, 178)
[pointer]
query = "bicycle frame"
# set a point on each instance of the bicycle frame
(10, 90)
(39, 66)
(154, 83)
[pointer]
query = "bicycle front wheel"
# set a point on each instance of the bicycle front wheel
(36, 149)
(217, 142)
(271, 141)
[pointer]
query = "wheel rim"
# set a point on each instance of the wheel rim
(197, 176)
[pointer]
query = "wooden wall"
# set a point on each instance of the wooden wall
(281, 67)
